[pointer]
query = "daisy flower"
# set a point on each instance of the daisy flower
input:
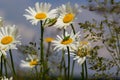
(41, 11)
(82, 52)
(9, 37)
(4, 78)
(70, 40)
(30, 62)
(67, 15)
(49, 39)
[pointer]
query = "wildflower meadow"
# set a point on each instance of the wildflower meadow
(66, 46)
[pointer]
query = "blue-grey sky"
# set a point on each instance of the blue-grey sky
(14, 9)
(12, 12)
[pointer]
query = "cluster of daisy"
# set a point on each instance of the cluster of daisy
(61, 18)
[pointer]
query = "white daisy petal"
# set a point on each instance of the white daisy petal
(37, 7)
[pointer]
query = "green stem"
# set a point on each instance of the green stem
(82, 74)
(5, 68)
(12, 63)
(64, 59)
(1, 66)
(73, 28)
(73, 64)
(42, 48)
(68, 63)
(64, 32)
(86, 72)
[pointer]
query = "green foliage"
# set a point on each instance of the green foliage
(106, 31)
(28, 49)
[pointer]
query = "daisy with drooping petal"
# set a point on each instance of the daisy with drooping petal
(67, 15)
(70, 40)
(82, 52)
(9, 37)
(30, 62)
(40, 12)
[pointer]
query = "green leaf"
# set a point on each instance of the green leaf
(66, 38)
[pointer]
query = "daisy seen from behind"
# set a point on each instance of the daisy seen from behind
(82, 52)
(67, 15)
(30, 62)
(9, 37)
(40, 12)
(69, 40)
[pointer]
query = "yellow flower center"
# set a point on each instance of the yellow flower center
(79, 53)
(40, 16)
(6, 40)
(67, 41)
(49, 39)
(68, 18)
(82, 52)
(33, 63)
